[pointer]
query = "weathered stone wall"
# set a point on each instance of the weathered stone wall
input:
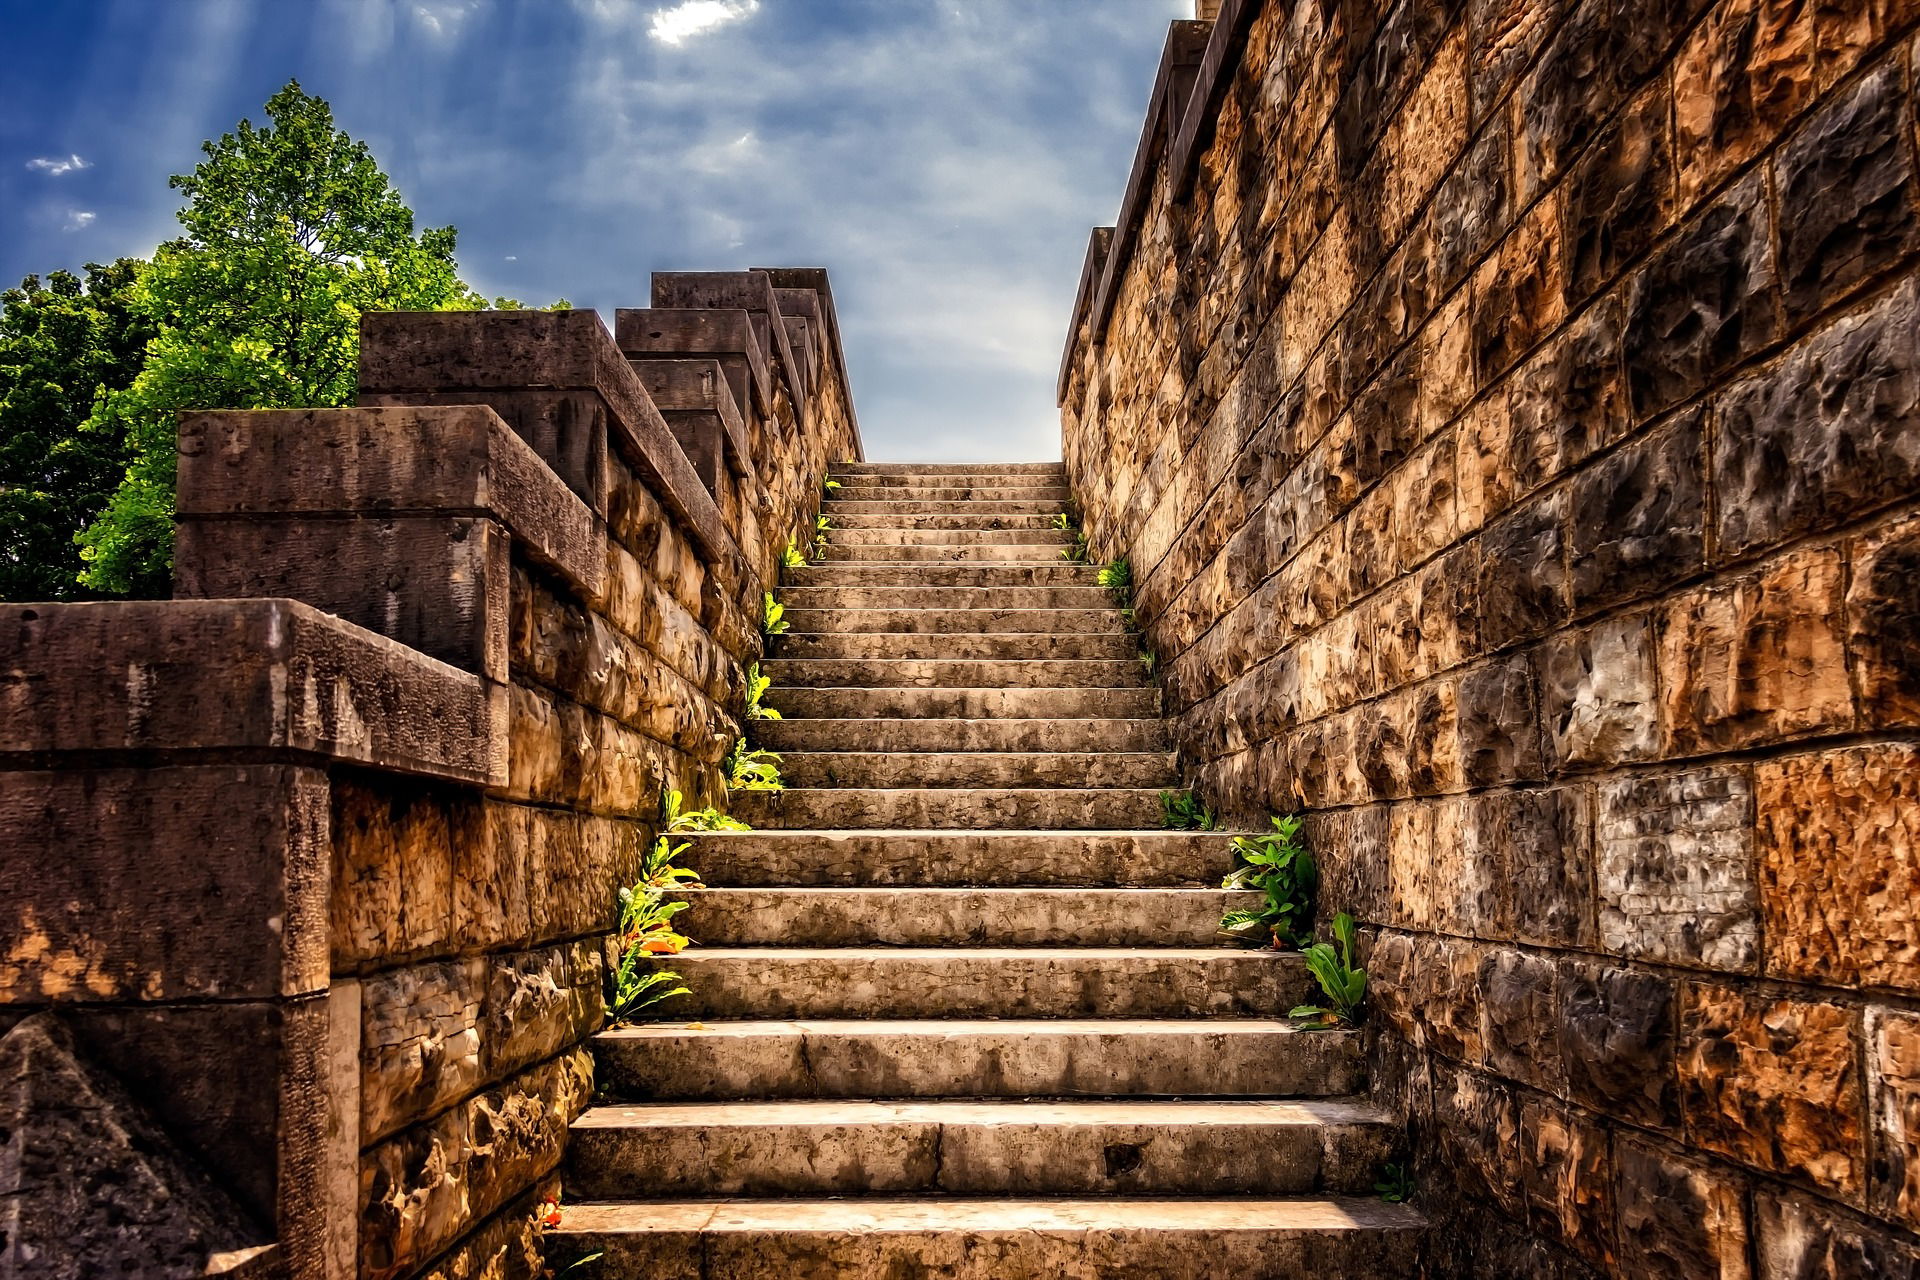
(1511, 411)
(320, 857)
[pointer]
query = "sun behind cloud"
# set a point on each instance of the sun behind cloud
(679, 23)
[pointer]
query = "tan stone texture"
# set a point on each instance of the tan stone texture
(1674, 867)
(1893, 1092)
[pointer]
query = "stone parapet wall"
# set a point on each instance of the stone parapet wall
(1511, 413)
(319, 858)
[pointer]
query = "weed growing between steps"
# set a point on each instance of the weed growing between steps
(1395, 1183)
(1066, 524)
(1343, 983)
(707, 819)
(793, 557)
(822, 526)
(773, 616)
(757, 686)
(1185, 811)
(1282, 868)
(751, 769)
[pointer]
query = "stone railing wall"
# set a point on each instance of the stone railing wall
(312, 868)
(1511, 412)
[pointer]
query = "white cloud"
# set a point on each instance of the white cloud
(681, 22)
(513, 257)
(442, 19)
(56, 166)
(80, 219)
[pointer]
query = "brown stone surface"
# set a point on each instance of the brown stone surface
(1675, 869)
(420, 1043)
(1678, 1217)
(1520, 994)
(1893, 1100)
(1801, 1238)
(1838, 843)
(1883, 640)
(1598, 694)
(1617, 1031)
(1774, 1084)
(392, 883)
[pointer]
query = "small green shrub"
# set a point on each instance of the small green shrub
(708, 819)
(822, 525)
(657, 869)
(1396, 1183)
(773, 616)
(1282, 869)
(1078, 551)
(828, 485)
(757, 686)
(1117, 577)
(646, 929)
(1343, 985)
(1183, 811)
(1149, 663)
(792, 557)
(749, 769)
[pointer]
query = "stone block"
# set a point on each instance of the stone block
(1566, 400)
(393, 856)
(1520, 1018)
(1847, 175)
(1447, 997)
(1744, 73)
(1774, 1084)
(1757, 659)
(1500, 723)
(1797, 1237)
(1597, 694)
(1675, 869)
(1678, 1217)
(539, 1003)
(575, 863)
(1893, 1100)
(725, 335)
(1477, 1132)
(203, 882)
(1704, 300)
(420, 1043)
(1619, 197)
(1530, 855)
(1519, 293)
(1566, 1174)
(1505, 34)
(1639, 517)
(1618, 1031)
(1883, 624)
(1523, 574)
(1838, 841)
(491, 882)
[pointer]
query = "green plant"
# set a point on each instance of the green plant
(828, 485)
(1396, 1183)
(1343, 985)
(757, 686)
(1281, 868)
(1183, 811)
(822, 525)
(749, 769)
(773, 616)
(708, 819)
(792, 557)
(1117, 577)
(657, 869)
(646, 930)
(1149, 662)
(1078, 551)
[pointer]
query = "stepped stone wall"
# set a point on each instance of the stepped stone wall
(1511, 412)
(318, 859)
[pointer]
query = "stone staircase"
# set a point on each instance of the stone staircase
(958, 1006)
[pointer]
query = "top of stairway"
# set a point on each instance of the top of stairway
(948, 468)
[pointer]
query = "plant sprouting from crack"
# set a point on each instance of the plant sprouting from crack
(707, 819)
(773, 616)
(750, 769)
(1342, 983)
(1184, 811)
(1282, 869)
(757, 686)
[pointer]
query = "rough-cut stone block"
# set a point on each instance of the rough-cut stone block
(1597, 694)
(420, 1043)
(1678, 1217)
(1523, 573)
(1619, 196)
(538, 1003)
(1847, 177)
(1617, 1035)
(1567, 1178)
(1774, 1084)
(1531, 854)
(1830, 433)
(1800, 1238)
(1639, 518)
(1893, 1093)
(491, 883)
(1477, 1119)
(1675, 869)
(1519, 293)
(1500, 723)
(1757, 659)
(1740, 77)
(392, 886)
(1838, 835)
(1521, 1010)
(1565, 401)
(1447, 997)
(158, 884)
(1883, 624)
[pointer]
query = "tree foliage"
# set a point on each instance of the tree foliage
(62, 341)
(292, 231)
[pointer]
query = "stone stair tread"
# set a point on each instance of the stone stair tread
(865, 1215)
(827, 955)
(1277, 1112)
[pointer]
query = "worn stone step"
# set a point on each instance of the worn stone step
(961, 735)
(1102, 859)
(855, 1147)
(993, 1239)
(1024, 917)
(962, 489)
(987, 982)
(979, 769)
(933, 597)
(973, 673)
(841, 470)
(840, 553)
(1056, 573)
(867, 534)
(1004, 621)
(967, 519)
(1016, 703)
(961, 646)
(1015, 1058)
(960, 808)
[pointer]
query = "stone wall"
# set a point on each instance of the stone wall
(1511, 412)
(317, 861)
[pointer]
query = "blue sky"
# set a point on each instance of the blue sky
(944, 159)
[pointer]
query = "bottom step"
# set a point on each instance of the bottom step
(989, 1239)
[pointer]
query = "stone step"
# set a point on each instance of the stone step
(1044, 508)
(840, 553)
(1024, 917)
(974, 673)
(1003, 1239)
(1055, 573)
(987, 982)
(1022, 1058)
(841, 470)
(966, 520)
(866, 535)
(1015, 703)
(980, 859)
(835, 1148)
(961, 489)
(979, 769)
(1003, 621)
(997, 599)
(961, 735)
(962, 647)
(959, 808)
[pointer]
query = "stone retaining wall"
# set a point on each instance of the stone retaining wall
(1511, 412)
(318, 859)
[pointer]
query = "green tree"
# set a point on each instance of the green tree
(62, 342)
(292, 231)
